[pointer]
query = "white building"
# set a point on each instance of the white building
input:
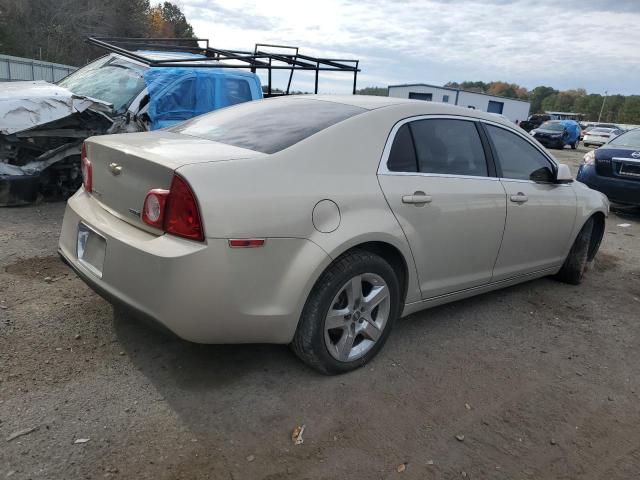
(511, 108)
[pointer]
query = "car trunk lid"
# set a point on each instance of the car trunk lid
(125, 167)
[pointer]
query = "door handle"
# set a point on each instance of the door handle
(418, 198)
(519, 198)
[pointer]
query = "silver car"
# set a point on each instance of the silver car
(318, 221)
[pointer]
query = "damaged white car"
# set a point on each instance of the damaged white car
(42, 126)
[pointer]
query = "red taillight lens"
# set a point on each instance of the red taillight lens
(87, 171)
(174, 210)
(182, 215)
(154, 207)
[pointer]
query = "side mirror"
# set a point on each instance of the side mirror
(563, 175)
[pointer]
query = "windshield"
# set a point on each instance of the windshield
(267, 126)
(629, 139)
(110, 79)
(601, 130)
(556, 127)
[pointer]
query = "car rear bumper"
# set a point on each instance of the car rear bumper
(616, 189)
(203, 292)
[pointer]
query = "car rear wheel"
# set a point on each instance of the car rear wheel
(576, 262)
(349, 313)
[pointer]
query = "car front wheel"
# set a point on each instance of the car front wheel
(576, 262)
(349, 313)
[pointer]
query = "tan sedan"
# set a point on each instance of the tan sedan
(317, 221)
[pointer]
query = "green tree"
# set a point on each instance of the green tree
(56, 30)
(378, 91)
(630, 111)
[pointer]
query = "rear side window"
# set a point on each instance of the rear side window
(402, 157)
(268, 126)
(448, 146)
(518, 158)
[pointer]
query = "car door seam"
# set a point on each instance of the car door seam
(413, 257)
(504, 229)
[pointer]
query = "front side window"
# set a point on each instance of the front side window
(519, 159)
(179, 99)
(268, 126)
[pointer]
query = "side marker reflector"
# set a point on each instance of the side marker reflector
(246, 242)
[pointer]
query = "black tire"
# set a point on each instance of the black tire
(309, 340)
(576, 262)
(574, 145)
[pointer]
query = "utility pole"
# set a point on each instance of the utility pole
(602, 107)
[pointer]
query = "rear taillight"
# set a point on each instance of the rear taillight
(175, 210)
(154, 207)
(87, 170)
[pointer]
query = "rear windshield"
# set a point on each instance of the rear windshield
(601, 130)
(629, 139)
(267, 126)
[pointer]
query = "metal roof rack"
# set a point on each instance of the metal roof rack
(259, 59)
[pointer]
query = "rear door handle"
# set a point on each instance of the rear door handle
(519, 198)
(418, 198)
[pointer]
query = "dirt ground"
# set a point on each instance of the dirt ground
(542, 380)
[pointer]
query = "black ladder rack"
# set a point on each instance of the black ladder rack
(259, 59)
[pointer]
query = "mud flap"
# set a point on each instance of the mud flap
(18, 189)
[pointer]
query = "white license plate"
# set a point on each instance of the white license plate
(90, 249)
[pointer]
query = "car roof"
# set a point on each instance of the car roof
(404, 106)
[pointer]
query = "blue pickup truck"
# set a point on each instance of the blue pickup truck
(558, 133)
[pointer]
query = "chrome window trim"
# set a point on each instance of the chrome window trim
(382, 166)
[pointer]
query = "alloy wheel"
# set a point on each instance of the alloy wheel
(357, 317)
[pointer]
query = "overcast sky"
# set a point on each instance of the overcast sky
(592, 44)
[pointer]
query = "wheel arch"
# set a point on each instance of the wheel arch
(596, 235)
(393, 254)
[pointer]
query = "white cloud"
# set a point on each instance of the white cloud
(591, 44)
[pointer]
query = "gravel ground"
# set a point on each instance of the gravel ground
(537, 381)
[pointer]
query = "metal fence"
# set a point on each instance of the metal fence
(16, 68)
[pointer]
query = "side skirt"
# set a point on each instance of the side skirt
(413, 307)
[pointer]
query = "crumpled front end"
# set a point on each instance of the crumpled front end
(42, 127)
